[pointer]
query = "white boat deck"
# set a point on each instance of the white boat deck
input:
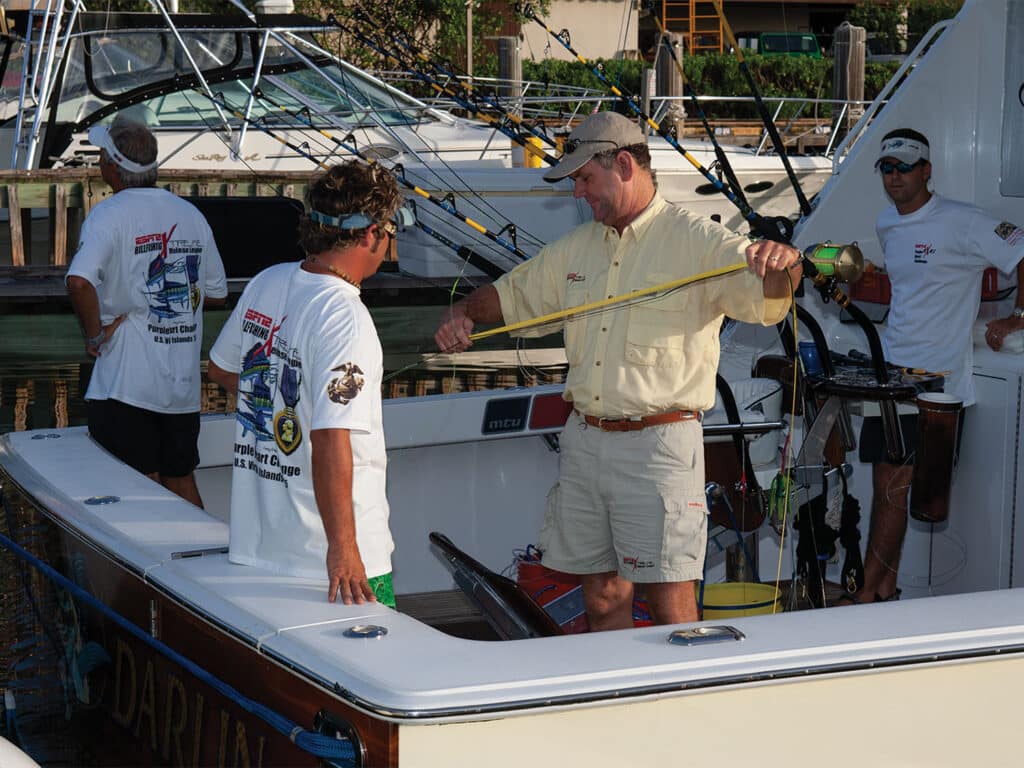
(419, 673)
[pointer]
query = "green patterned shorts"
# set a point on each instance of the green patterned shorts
(383, 589)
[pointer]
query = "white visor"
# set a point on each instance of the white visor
(99, 136)
(903, 149)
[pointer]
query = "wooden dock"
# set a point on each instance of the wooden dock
(45, 210)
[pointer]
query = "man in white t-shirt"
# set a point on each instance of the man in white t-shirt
(146, 266)
(301, 352)
(935, 251)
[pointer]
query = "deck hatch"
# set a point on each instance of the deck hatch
(704, 635)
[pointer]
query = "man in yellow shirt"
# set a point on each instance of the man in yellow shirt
(629, 503)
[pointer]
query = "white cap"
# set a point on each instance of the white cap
(99, 135)
(903, 149)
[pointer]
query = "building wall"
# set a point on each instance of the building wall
(598, 29)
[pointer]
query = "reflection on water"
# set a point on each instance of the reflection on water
(44, 371)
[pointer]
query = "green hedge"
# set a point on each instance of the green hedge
(714, 75)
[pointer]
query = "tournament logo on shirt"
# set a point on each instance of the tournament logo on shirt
(345, 388)
(287, 430)
(172, 275)
(257, 380)
(922, 251)
(1011, 233)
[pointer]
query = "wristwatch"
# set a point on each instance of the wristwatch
(1018, 313)
(96, 340)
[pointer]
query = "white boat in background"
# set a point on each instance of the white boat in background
(262, 94)
(929, 680)
(12, 757)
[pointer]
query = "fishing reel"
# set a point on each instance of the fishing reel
(829, 262)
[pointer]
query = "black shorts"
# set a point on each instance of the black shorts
(150, 442)
(872, 439)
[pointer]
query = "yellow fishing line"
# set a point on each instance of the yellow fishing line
(601, 304)
(786, 459)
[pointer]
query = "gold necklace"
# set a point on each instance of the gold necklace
(334, 271)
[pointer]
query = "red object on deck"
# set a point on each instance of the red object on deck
(990, 284)
(549, 411)
(561, 595)
(873, 287)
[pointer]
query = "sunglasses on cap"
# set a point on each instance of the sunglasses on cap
(404, 217)
(573, 144)
(886, 167)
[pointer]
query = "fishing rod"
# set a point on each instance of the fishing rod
(723, 160)
(480, 262)
(467, 86)
(500, 125)
(825, 263)
(769, 124)
(446, 203)
(566, 314)
(776, 228)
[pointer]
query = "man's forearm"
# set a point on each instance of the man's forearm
(483, 305)
(332, 484)
(226, 379)
(780, 285)
(1020, 284)
(86, 304)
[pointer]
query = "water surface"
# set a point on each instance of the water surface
(44, 369)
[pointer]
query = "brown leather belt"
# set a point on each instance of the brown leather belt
(639, 422)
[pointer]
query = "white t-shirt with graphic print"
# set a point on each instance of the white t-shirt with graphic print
(308, 357)
(151, 256)
(935, 258)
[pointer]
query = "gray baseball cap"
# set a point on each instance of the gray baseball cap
(598, 133)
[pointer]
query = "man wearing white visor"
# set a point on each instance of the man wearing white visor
(934, 251)
(146, 265)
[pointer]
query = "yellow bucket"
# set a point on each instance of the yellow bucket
(737, 598)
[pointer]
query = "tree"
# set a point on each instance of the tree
(895, 22)
(922, 15)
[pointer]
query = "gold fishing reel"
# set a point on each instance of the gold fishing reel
(844, 262)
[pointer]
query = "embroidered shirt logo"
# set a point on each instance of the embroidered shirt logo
(922, 251)
(345, 388)
(1011, 233)
(575, 277)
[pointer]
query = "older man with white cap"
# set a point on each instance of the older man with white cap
(935, 251)
(629, 503)
(146, 265)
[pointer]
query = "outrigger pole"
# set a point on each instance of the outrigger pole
(480, 262)
(471, 91)
(777, 228)
(487, 118)
(723, 160)
(769, 124)
(447, 203)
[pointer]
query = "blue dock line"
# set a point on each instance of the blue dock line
(316, 744)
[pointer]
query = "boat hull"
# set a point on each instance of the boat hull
(141, 707)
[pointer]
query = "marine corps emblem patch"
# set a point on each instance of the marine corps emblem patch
(345, 388)
(1011, 233)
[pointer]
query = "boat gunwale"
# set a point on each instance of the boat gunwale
(956, 642)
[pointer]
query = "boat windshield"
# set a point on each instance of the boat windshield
(10, 86)
(149, 73)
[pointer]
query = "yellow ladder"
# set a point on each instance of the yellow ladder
(697, 21)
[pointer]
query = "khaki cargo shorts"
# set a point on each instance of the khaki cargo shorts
(631, 502)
